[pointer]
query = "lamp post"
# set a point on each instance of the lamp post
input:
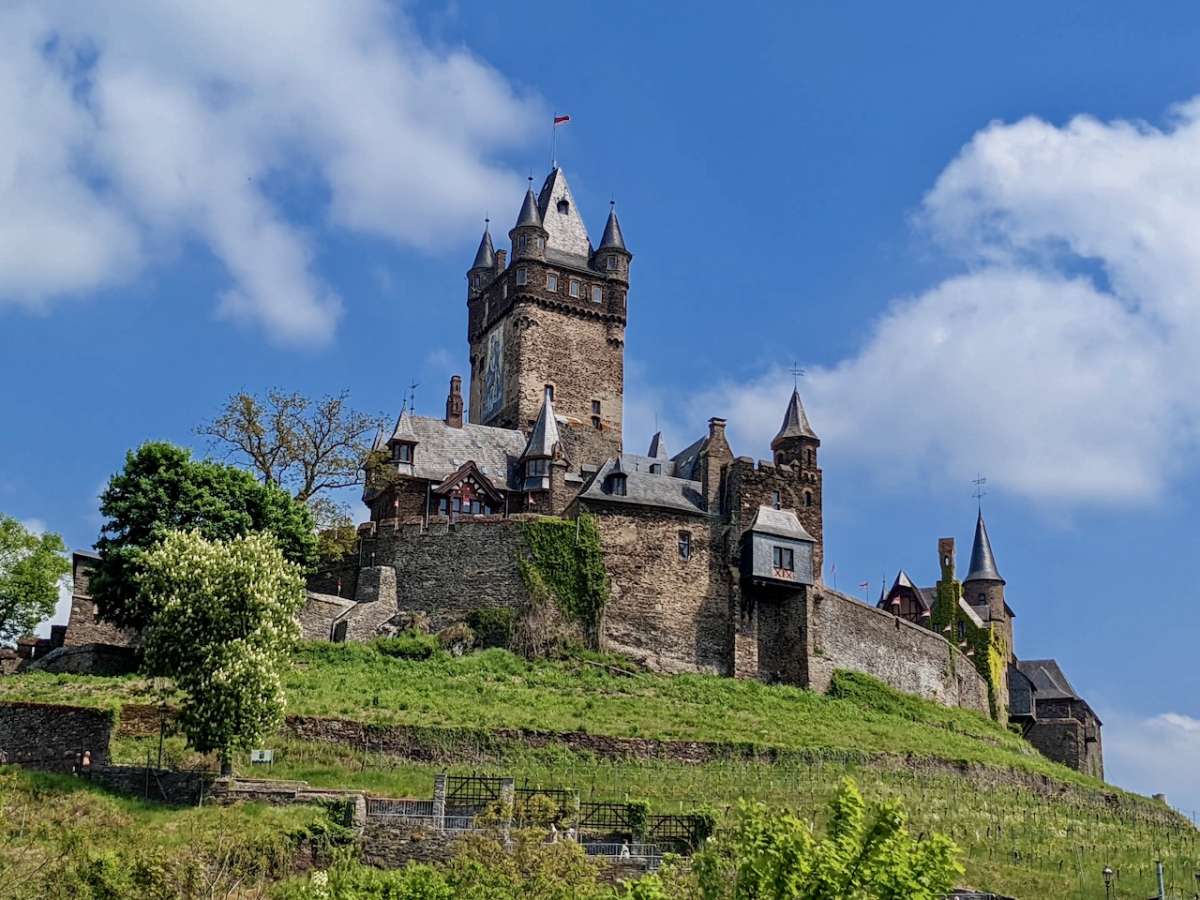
(1108, 880)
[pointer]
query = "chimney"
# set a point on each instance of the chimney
(454, 403)
(946, 560)
(501, 260)
(714, 456)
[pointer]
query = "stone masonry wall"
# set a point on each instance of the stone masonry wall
(750, 485)
(85, 625)
(669, 613)
(52, 737)
(447, 572)
(846, 634)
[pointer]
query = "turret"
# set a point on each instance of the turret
(541, 447)
(484, 266)
(612, 257)
(454, 403)
(528, 236)
(983, 587)
(796, 443)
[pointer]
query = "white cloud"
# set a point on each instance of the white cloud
(1061, 362)
(62, 610)
(1160, 754)
(129, 133)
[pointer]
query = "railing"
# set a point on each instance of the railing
(390, 807)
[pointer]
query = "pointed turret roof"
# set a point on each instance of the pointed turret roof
(561, 219)
(378, 443)
(612, 239)
(485, 256)
(404, 428)
(544, 437)
(529, 214)
(795, 422)
(983, 562)
(658, 447)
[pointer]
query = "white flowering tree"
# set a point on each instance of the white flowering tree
(225, 622)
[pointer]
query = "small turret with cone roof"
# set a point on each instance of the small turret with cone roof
(528, 236)
(983, 587)
(612, 256)
(796, 443)
(484, 266)
(541, 446)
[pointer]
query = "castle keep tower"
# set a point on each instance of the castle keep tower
(551, 321)
(983, 588)
(796, 445)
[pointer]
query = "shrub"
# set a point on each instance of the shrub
(409, 645)
(457, 639)
(493, 627)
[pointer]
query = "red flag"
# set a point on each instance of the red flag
(561, 120)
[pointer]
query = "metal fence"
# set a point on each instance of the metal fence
(391, 807)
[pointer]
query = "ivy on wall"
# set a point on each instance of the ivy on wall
(987, 643)
(565, 561)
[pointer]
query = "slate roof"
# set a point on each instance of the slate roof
(644, 489)
(795, 422)
(1048, 679)
(529, 215)
(612, 239)
(1020, 693)
(687, 460)
(544, 437)
(779, 522)
(442, 450)
(485, 256)
(658, 447)
(566, 231)
(983, 562)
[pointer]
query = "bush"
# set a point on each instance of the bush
(493, 627)
(409, 645)
(457, 639)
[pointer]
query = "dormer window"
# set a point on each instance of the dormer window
(537, 468)
(655, 468)
(617, 484)
(575, 288)
(522, 277)
(563, 207)
(597, 294)
(402, 453)
(552, 282)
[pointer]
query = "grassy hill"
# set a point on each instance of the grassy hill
(1029, 827)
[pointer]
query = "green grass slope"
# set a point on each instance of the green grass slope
(1029, 827)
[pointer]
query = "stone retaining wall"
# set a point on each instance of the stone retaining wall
(54, 737)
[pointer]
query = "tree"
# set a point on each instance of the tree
(31, 566)
(224, 622)
(306, 446)
(777, 857)
(162, 489)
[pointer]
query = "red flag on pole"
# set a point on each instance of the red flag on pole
(561, 120)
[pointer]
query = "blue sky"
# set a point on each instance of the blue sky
(973, 229)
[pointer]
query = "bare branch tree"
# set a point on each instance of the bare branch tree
(306, 446)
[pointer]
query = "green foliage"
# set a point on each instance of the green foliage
(409, 644)
(31, 565)
(566, 561)
(456, 639)
(986, 644)
(639, 816)
(862, 856)
(336, 543)
(162, 489)
(224, 625)
(493, 626)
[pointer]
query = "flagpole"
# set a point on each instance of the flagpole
(553, 143)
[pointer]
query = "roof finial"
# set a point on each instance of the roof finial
(979, 493)
(796, 373)
(412, 397)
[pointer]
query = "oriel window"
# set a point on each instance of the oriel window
(783, 558)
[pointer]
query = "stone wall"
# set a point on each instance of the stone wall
(87, 659)
(319, 613)
(846, 634)
(1068, 732)
(85, 625)
(669, 613)
(161, 785)
(392, 845)
(51, 736)
(750, 485)
(448, 571)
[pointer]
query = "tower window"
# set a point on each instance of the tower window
(597, 294)
(522, 240)
(474, 281)
(574, 287)
(550, 391)
(522, 276)
(504, 291)
(552, 281)
(962, 630)
(783, 558)
(595, 407)
(596, 422)
(808, 499)
(812, 456)
(775, 499)
(564, 207)
(685, 545)
(611, 263)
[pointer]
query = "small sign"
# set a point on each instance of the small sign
(262, 757)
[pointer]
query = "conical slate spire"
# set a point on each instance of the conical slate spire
(529, 212)
(485, 256)
(658, 447)
(612, 239)
(983, 562)
(544, 437)
(404, 430)
(795, 422)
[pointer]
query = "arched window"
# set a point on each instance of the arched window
(808, 499)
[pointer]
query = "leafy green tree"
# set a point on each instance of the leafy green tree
(162, 489)
(777, 857)
(31, 565)
(224, 622)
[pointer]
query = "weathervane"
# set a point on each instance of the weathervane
(796, 373)
(979, 481)
(412, 397)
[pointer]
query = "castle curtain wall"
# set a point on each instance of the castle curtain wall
(670, 613)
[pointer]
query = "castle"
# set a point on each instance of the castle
(714, 561)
